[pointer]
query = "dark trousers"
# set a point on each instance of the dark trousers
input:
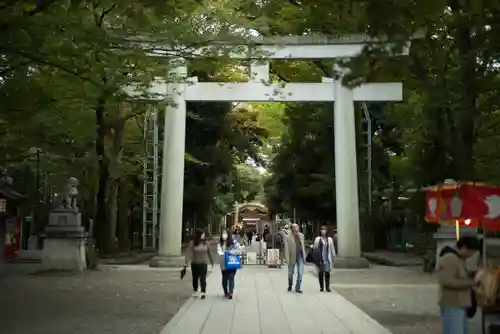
(199, 272)
(324, 278)
(228, 281)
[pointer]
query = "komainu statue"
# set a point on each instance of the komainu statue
(70, 194)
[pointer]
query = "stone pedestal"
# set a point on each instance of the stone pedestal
(351, 263)
(64, 243)
(492, 249)
(33, 242)
(447, 236)
(167, 261)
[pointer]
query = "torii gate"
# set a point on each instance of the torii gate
(180, 89)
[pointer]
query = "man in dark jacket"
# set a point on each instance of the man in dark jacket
(249, 236)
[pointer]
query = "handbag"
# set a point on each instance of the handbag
(232, 261)
(314, 257)
(317, 258)
(316, 254)
(472, 309)
(183, 272)
(310, 257)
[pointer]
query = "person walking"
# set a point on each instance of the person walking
(295, 254)
(242, 237)
(198, 254)
(227, 244)
(249, 235)
(283, 233)
(269, 239)
(324, 257)
(456, 287)
(266, 232)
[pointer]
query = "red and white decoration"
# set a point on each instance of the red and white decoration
(468, 203)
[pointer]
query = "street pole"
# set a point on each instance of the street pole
(37, 177)
(36, 221)
(236, 214)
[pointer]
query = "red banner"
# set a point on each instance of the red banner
(13, 238)
(469, 203)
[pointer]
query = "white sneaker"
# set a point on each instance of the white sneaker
(195, 294)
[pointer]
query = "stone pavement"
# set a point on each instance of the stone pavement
(261, 305)
(132, 299)
(402, 299)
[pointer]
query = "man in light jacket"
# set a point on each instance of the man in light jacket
(295, 255)
(283, 238)
(456, 285)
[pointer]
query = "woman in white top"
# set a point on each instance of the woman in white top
(229, 244)
(324, 257)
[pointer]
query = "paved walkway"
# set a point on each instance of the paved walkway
(261, 305)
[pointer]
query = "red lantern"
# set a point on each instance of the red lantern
(13, 240)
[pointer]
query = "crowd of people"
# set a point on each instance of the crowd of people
(232, 242)
(457, 285)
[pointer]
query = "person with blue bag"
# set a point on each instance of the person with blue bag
(229, 251)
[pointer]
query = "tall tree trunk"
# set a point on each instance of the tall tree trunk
(467, 108)
(102, 224)
(117, 132)
(466, 119)
(112, 205)
(124, 218)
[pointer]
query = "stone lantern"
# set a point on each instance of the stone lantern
(9, 200)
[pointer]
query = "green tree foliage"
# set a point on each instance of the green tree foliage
(250, 181)
(447, 125)
(303, 172)
(72, 59)
(63, 66)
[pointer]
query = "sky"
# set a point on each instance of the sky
(252, 163)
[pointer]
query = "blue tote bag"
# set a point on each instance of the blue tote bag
(232, 262)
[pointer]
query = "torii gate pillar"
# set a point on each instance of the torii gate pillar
(172, 181)
(346, 180)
